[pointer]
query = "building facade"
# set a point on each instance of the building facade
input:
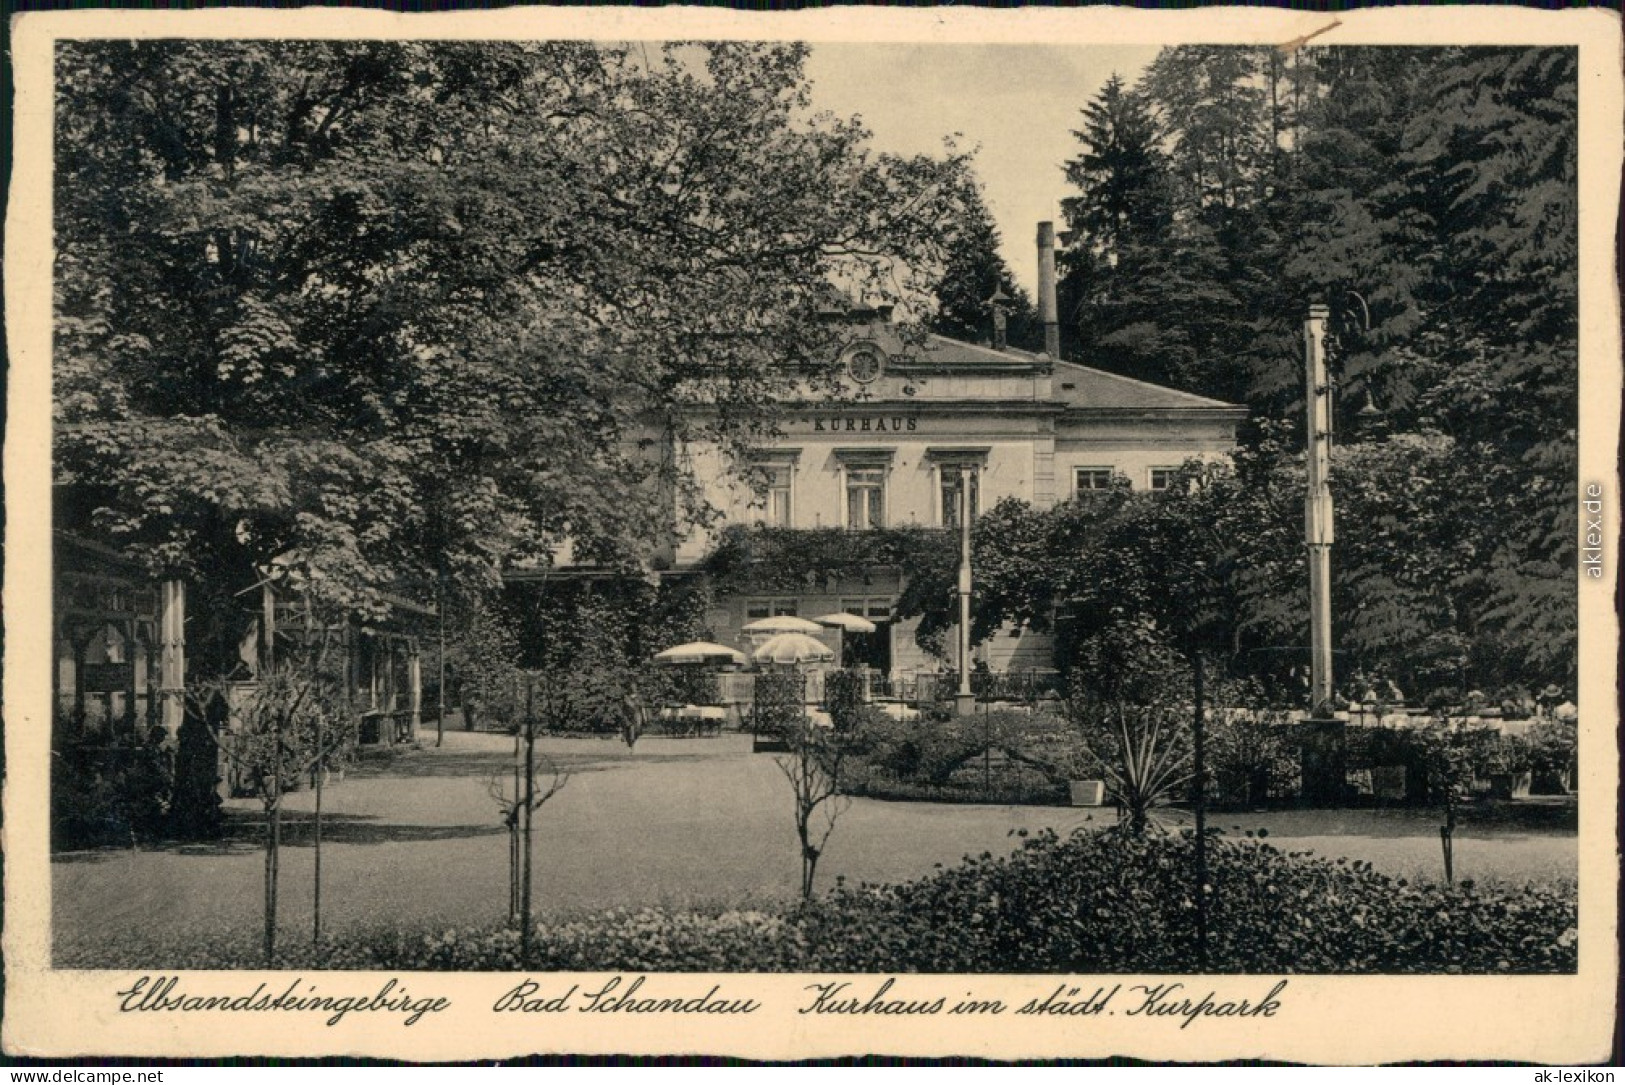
(914, 426)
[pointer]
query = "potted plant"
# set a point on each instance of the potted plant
(1087, 792)
(1084, 783)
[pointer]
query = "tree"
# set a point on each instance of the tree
(547, 703)
(535, 779)
(1124, 199)
(1213, 109)
(813, 768)
(382, 312)
(974, 271)
(1147, 282)
(274, 732)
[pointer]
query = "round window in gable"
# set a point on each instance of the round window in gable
(864, 364)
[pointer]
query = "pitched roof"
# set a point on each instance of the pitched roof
(1082, 388)
(939, 351)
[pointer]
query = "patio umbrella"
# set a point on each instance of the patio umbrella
(700, 651)
(781, 623)
(846, 623)
(792, 648)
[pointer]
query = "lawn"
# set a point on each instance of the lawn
(698, 821)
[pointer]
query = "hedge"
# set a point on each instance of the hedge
(1099, 901)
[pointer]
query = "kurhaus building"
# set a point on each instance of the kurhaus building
(913, 420)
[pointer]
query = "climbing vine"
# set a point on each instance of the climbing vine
(791, 559)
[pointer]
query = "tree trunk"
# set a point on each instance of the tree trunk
(1447, 841)
(273, 849)
(268, 908)
(440, 661)
(1200, 797)
(809, 857)
(530, 817)
(316, 895)
(1135, 809)
(513, 848)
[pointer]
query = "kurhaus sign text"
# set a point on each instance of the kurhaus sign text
(863, 423)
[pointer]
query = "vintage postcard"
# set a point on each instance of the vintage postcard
(1020, 534)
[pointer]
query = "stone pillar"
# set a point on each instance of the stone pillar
(1044, 465)
(414, 671)
(132, 718)
(964, 700)
(172, 656)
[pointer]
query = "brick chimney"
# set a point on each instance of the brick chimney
(1047, 305)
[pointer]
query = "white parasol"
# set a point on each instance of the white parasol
(794, 648)
(700, 651)
(846, 623)
(781, 623)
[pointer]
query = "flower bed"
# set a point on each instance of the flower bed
(1098, 901)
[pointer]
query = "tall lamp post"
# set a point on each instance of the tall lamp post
(965, 699)
(1317, 509)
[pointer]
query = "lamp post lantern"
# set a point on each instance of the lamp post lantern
(1317, 508)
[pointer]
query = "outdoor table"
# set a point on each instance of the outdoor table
(695, 719)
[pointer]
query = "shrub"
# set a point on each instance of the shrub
(1110, 901)
(1141, 748)
(681, 685)
(919, 759)
(843, 696)
(114, 794)
(1441, 761)
(1252, 756)
(1551, 746)
(779, 704)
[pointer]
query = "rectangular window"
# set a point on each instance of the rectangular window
(1092, 478)
(865, 497)
(768, 608)
(778, 498)
(1163, 477)
(951, 482)
(774, 510)
(875, 609)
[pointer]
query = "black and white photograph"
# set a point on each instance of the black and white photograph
(585, 511)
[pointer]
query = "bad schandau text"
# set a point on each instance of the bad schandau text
(617, 995)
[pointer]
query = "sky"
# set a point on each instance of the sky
(1018, 103)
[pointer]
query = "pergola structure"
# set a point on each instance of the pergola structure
(120, 644)
(121, 666)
